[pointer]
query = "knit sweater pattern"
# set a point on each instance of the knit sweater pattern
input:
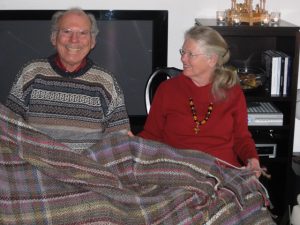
(64, 105)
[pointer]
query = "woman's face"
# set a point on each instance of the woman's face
(196, 64)
(73, 40)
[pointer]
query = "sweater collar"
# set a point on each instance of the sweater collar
(60, 69)
(61, 65)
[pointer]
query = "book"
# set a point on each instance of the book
(286, 59)
(276, 75)
(272, 62)
(281, 68)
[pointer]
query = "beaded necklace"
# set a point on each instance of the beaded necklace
(195, 117)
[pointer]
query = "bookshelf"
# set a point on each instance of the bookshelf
(247, 43)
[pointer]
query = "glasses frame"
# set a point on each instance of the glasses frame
(68, 32)
(189, 54)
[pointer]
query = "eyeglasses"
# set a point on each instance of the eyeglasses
(66, 32)
(190, 55)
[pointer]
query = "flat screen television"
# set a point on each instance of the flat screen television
(130, 44)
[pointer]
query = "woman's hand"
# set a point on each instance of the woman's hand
(253, 164)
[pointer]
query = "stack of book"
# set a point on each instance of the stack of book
(278, 67)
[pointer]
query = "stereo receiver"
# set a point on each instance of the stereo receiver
(264, 114)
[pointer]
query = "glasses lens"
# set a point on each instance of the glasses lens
(70, 32)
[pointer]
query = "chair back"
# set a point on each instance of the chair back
(155, 79)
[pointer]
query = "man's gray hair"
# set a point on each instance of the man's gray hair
(59, 14)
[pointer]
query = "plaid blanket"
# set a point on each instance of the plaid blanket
(119, 180)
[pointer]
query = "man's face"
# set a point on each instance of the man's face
(73, 40)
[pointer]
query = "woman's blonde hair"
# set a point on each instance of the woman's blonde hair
(211, 42)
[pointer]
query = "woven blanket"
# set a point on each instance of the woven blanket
(119, 180)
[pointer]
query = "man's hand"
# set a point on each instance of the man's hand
(130, 134)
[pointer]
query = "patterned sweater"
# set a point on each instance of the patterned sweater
(66, 105)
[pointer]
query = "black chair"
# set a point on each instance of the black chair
(158, 76)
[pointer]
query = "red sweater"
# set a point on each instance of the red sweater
(225, 135)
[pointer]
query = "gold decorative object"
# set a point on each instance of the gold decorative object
(245, 13)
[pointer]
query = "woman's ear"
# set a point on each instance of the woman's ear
(213, 60)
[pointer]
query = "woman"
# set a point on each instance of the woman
(204, 108)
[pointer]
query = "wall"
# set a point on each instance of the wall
(181, 17)
(181, 14)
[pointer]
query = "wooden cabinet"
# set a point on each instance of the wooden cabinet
(246, 44)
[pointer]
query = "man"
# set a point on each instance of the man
(66, 94)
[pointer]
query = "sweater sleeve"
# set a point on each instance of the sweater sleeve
(117, 117)
(244, 145)
(16, 100)
(154, 126)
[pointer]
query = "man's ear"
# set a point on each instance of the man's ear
(53, 39)
(93, 44)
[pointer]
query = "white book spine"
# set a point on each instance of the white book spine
(278, 71)
(274, 76)
(285, 76)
